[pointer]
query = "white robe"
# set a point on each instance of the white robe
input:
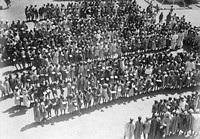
(188, 65)
(26, 101)
(55, 58)
(196, 122)
(174, 41)
(131, 91)
(182, 105)
(180, 40)
(119, 91)
(17, 97)
(129, 130)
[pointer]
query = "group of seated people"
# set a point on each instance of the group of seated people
(178, 116)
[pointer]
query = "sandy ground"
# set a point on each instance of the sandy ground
(105, 122)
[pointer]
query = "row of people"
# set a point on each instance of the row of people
(91, 88)
(170, 117)
(156, 71)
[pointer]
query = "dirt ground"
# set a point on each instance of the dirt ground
(105, 122)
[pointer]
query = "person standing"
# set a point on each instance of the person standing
(129, 129)
(63, 104)
(11, 82)
(43, 111)
(138, 128)
(56, 105)
(26, 100)
(160, 129)
(153, 127)
(17, 96)
(174, 41)
(27, 13)
(7, 86)
(168, 19)
(71, 106)
(155, 107)
(161, 17)
(174, 123)
(48, 107)
(37, 114)
(167, 121)
(146, 127)
(3, 89)
(180, 39)
(8, 3)
(171, 9)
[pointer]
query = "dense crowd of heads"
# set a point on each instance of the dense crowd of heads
(87, 53)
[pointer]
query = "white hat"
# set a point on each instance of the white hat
(191, 110)
(167, 114)
(197, 110)
(156, 114)
(177, 112)
(33, 68)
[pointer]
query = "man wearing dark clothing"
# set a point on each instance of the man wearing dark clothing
(168, 18)
(161, 17)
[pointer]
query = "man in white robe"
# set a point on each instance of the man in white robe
(26, 100)
(174, 41)
(129, 129)
(196, 122)
(188, 66)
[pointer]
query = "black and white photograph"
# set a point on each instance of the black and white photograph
(99, 69)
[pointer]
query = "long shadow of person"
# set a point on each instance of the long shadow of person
(51, 121)
(29, 126)
(179, 137)
(16, 111)
(5, 98)
(4, 8)
(15, 71)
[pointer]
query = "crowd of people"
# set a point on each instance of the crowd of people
(90, 30)
(170, 117)
(88, 53)
(8, 3)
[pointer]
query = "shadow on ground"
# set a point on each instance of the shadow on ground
(120, 101)
(15, 71)
(180, 137)
(4, 8)
(5, 98)
(5, 64)
(16, 111)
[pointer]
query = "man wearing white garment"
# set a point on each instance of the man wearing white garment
(129, 129)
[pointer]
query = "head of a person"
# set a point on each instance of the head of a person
(131, 120)
(147, 118)
(139, 118)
